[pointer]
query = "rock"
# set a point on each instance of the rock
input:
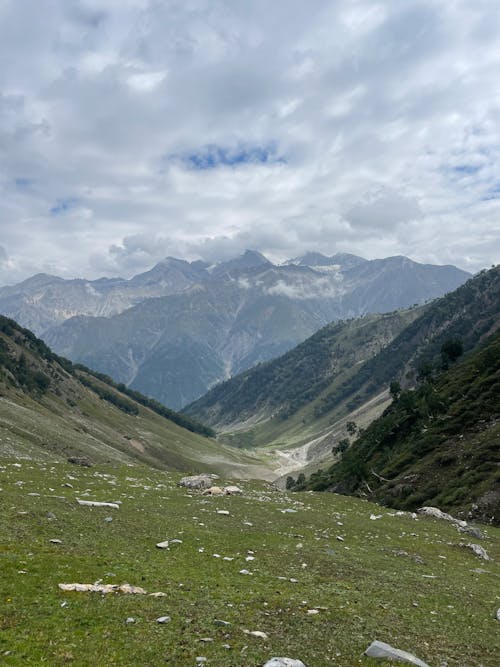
(108, 519)
(477, 549)
(256, 633)
(163, 545)
(200, 660)
(80, 461)
(472, 530)
(438, 514)
(51, 516)
(163, 619)
(497, 615)
(219, 622)
(382, 650)
(158, 594)
(103, 588)
(55, 541)
(130, 619)
(223, 512)
(284, 662)
(197, 482)
(232, 490)
(245, 572)
(94, 503)
(213, 491)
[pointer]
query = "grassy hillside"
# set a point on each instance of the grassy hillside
(437, 445)
(326, 578)
(51, 409)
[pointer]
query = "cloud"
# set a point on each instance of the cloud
(383, 209)
(369, 127)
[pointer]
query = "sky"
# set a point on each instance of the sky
(131, 130)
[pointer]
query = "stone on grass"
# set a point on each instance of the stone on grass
(256, 633)
(103, 588)
(232, 490)
(438, 514)
(55, 541)
(218, 621)
(163, 545)
(95, 503)
(197, 482)
(382, 650)
(80, 461)
(163, 619)
(213, 491)
(477, 549)
(130, 619)
(284, 662)
(223, 512)
(497, 615)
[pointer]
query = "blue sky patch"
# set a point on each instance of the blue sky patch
(63, 206)
(467, 169)
(213, 156)
(22, 183)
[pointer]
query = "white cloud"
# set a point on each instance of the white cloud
(385, 117)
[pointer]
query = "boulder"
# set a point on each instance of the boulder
(197, 482)
(438, 514)
(477, 549)
(80, 461)
(232, 490)
(213, 491)
(382, 650)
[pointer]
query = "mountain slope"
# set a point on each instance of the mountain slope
(438, 445)
(239, 313)
(343, 373)
(278, 389)
(51, 409)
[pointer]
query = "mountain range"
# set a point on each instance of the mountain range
(180, 328)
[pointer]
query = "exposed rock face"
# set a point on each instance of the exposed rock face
(382, 650)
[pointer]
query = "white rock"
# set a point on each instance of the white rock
(497, 615)
(224, 512)
(478, 550)
(55, 541)
(382, 650)
(232, 490)
(130, 619)
(245, 572)
(374, 517)
(438, 514)
(163, 545)
(284, 662)
(214, 491)
(256, 633)
(94, 503)
(163, 619)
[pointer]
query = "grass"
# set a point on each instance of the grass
(365, 587)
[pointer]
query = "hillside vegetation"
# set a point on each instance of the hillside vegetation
(437, 445)
(50, 408)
